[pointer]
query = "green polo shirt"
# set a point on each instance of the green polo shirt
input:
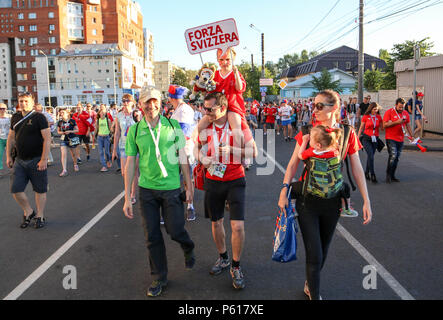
(151, 176)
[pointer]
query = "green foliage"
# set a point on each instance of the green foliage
(402, 51)
(252, 78)
(181, 78)
(289, 60)
(324, 81)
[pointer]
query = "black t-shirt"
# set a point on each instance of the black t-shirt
(67, 126)
(28, 136)
(363, 108)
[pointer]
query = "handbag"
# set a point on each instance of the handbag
(199, 174)
(73, 142)
(380, 144)
(285, 235)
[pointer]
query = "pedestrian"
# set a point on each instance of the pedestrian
(396, 122)
(362, 110)
(371, 124)
(123, 121)
(305, 116)
(85, 126)
(285, 114)
(39, 108)
(159, 184)
(68, 129)
(225, 182)
(102, 134)
(352, 112)
(270, 111)
(5, 123)
(294, 121)
(184, 114)
(418, 113)
(31, 136)
(318, 217)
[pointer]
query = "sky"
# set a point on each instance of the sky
(289, 26)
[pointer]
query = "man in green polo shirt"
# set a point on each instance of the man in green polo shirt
(160, 144)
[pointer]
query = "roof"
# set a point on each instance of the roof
(90, 50)
(306, 80)
(341, 54)
(425, 63)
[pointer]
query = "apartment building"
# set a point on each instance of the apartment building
(90, 73)
(163, 75)
(5, 75)
(43, 27)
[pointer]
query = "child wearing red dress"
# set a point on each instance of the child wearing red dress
(229, 81)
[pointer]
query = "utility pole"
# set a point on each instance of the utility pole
(414, 94)
(361, 57)
(252, 61)
(47, 74)
(113, 71)
(263, 55)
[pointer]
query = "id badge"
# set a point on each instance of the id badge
(217, 170)
(374, 139)
(62, 137)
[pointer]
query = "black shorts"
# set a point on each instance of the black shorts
(270, 125)
(84, 139)
(25, 171)
(217, 192)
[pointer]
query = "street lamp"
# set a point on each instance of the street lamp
(262, 49)
(113, 71)
(47, 73)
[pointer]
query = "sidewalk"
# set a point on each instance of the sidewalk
(433, 142)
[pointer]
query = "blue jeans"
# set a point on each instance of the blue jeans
(394, 150)
(103, 147)
(370, 148)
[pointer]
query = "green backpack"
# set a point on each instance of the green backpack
(323, 178)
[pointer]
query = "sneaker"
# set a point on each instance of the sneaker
(79, 161)
(156, 288)
(350, 212)
(306, 291)
(190, 213)
(104, 169)
(118, 170)
(161, 220)
(88, 157)
(189, 260)
(220, 265)
(40, 223)
(238, 279)
(63, 174)
(27, 220)
(394, 179)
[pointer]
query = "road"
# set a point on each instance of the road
(110, 258)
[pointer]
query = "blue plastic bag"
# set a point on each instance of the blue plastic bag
(285, 236)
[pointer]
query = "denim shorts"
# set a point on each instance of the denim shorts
(24, 171)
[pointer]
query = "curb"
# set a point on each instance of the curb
(430, 149)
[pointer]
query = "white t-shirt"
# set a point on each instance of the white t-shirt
(5, 124)
(125, 121)
(285, 112)
(184, 114)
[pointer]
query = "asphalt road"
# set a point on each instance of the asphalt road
(110, 259)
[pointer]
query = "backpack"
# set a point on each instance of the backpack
(323, 178)
(410, 103)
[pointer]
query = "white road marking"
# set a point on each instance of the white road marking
(29, 281)
(390, 280)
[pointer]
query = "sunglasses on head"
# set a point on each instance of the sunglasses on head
(320, 105)
(24, 94)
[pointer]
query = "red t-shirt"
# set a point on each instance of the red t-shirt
(270, 118)
(309, 153)
(233, 171)
(254, 110)
(82, 122)
(227, 86)
(395, 132)
(369, 125)
(354, 144)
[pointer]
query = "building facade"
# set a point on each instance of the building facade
(429, 81)
(5, 75)
(37, 27)
(163, 75)
(343, 58)
(89, 73)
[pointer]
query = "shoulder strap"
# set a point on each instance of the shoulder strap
(173, 128)
(346, 134)
(135, 135)
(29, 116)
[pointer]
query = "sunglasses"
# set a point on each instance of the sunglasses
(210, 109)
(320, 105)
(126, 100)
(24, 94)
(3, 109)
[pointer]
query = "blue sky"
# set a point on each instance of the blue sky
(285, 23)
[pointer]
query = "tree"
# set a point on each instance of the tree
(181, 78)
(402, 51)
(373, 80)
(287, 61)
(324, 81)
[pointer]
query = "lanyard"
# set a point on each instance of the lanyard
(374, 122)
(216, 140)
(157, 149)
(402, 125)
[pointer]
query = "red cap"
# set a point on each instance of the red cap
(420, 94)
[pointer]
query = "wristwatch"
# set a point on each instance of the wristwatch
(285, 185)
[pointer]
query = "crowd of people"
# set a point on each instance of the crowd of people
(218, 137)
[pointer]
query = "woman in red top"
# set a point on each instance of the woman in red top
(371, 123)
(229, 81)
(318, 217)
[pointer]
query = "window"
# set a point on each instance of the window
(81, 98)
(32, 16)
(77, 86)
(51, 39)
(53, 52)
(21, 28)
(21, 16)
(32, 64)
(33, 27)
(336, 64)
(60, 67)
(34, 52)
(51, 15)
(33, 41)
(34, 76)
(94, 20)
(67, 100)
(348, 65)
(94, 32)
(97, 98)
(111, 99)
(51, 27)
